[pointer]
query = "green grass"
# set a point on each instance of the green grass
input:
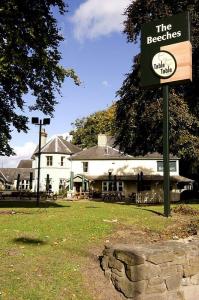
(43, 249)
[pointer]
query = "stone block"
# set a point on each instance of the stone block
(118, 273)
(190, 270)
(194, 261)
(155, 280)
(142, 272)
(177, 295)
(195, 279)
(191, 292)
(129, 257)
(108, 250)
(186, 281)
(168, 270)
(104, 262)
(128, 288)
(107, 274)
(160, 296)
(160, 257)
(173, 282)
(180, 269)
(116, 264)
(179, 251)
(156, 289)
(179, 260)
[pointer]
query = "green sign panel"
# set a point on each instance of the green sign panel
(166, 52)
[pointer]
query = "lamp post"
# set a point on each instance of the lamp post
(38, 122)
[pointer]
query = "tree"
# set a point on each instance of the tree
(139, 112)
(86, 129)
(29, 62)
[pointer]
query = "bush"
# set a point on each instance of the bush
(189, 195)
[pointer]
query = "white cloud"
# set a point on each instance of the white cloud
(25, 152)
(22, 152)
(105, 83)
(96, 18)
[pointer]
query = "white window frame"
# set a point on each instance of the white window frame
(85, 166)
(172, 168)
(62, 161)
(49, 160)
(106, 186)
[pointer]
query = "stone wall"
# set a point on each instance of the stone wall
(166, 271)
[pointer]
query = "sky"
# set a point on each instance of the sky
(95, 46)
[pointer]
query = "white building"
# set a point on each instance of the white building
(108, 170)
(55, 163)
(100, 169)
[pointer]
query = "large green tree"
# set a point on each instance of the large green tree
(86, 129)
(139, 112)
(29, 62)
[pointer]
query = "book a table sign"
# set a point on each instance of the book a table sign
(166, 58)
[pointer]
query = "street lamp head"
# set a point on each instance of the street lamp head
(35, 120)
(46, 121)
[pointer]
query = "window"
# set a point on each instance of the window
(120, 186)
(62, 184)
(108, 186)
(24, 185)
(85, 166)
(8, 187)
(27, 184)
(48, 182)
(62, 160)
(172, 165)
(49, 160)
(104, 186)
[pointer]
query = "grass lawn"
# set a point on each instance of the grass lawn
(42, 250)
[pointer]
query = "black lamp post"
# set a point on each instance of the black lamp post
(38, 122)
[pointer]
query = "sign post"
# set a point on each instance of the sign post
(166, 57)
(166, 150)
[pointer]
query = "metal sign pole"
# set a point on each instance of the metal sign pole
(166, 166)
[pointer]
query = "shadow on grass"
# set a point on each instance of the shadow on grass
(30, 204)
(31, 241)
(112, 201)
(151, 210)
(91, 206)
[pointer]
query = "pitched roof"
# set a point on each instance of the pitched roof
(101, 153)
(155, 155)
(10, 174)
(154, 177)
(58, 145)
(110, 153)
(25, 163)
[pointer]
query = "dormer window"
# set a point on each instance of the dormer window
(49, 160)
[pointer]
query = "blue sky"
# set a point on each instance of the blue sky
(97, 49)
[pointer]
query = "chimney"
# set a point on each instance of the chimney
(102, 140)
(43, 138)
